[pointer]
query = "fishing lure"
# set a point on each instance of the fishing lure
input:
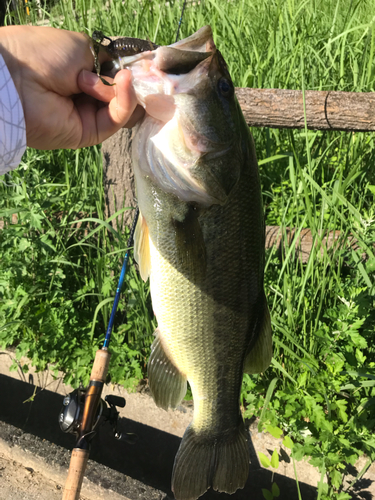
(115, 49)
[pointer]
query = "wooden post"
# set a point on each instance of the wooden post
(119, 185)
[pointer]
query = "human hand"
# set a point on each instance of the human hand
(50, 69)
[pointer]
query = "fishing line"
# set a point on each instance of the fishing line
(180, 21)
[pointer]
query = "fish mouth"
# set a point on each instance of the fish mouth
(177, 59)
(176, 62)
(185, 55)
(170, 72)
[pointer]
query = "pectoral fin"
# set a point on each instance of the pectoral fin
(142, 247)
(259, 356)
(191, 250)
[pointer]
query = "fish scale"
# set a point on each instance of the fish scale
(186, 318)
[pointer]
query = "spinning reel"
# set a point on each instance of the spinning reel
(72, 411)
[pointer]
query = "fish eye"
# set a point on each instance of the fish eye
(225, 87)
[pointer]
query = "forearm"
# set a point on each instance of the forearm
(10, 50)
(12, 123)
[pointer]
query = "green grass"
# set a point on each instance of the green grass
(57, 282)
(57, 279)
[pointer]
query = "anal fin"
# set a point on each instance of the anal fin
(142, 247)
(258, 358)
(167, 384)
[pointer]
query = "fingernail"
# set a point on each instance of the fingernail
(89, 78)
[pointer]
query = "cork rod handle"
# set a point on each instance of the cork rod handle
(101, 363)
(78, 463)
(79, 458)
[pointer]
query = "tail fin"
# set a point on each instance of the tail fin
(204, 461)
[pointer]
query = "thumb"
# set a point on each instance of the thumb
(98, 122)
(124, 102)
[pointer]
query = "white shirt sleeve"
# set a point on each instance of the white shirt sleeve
(12, 122)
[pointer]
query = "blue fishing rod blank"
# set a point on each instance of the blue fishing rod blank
(120, 282)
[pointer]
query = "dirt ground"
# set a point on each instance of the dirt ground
(18, 482)
(34, 454)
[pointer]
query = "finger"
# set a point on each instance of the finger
(91, 85)
(100, 123)
(135, 117)
(124, 103)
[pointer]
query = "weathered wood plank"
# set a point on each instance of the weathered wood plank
(283, 237)
(277, 108)
(119, 184)
(275, 236)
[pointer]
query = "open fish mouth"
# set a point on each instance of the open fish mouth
(172, 83)
(180, 57)
(170, 70)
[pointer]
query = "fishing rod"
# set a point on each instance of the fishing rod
(83, 409)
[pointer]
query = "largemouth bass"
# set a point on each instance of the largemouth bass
(200, 240)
